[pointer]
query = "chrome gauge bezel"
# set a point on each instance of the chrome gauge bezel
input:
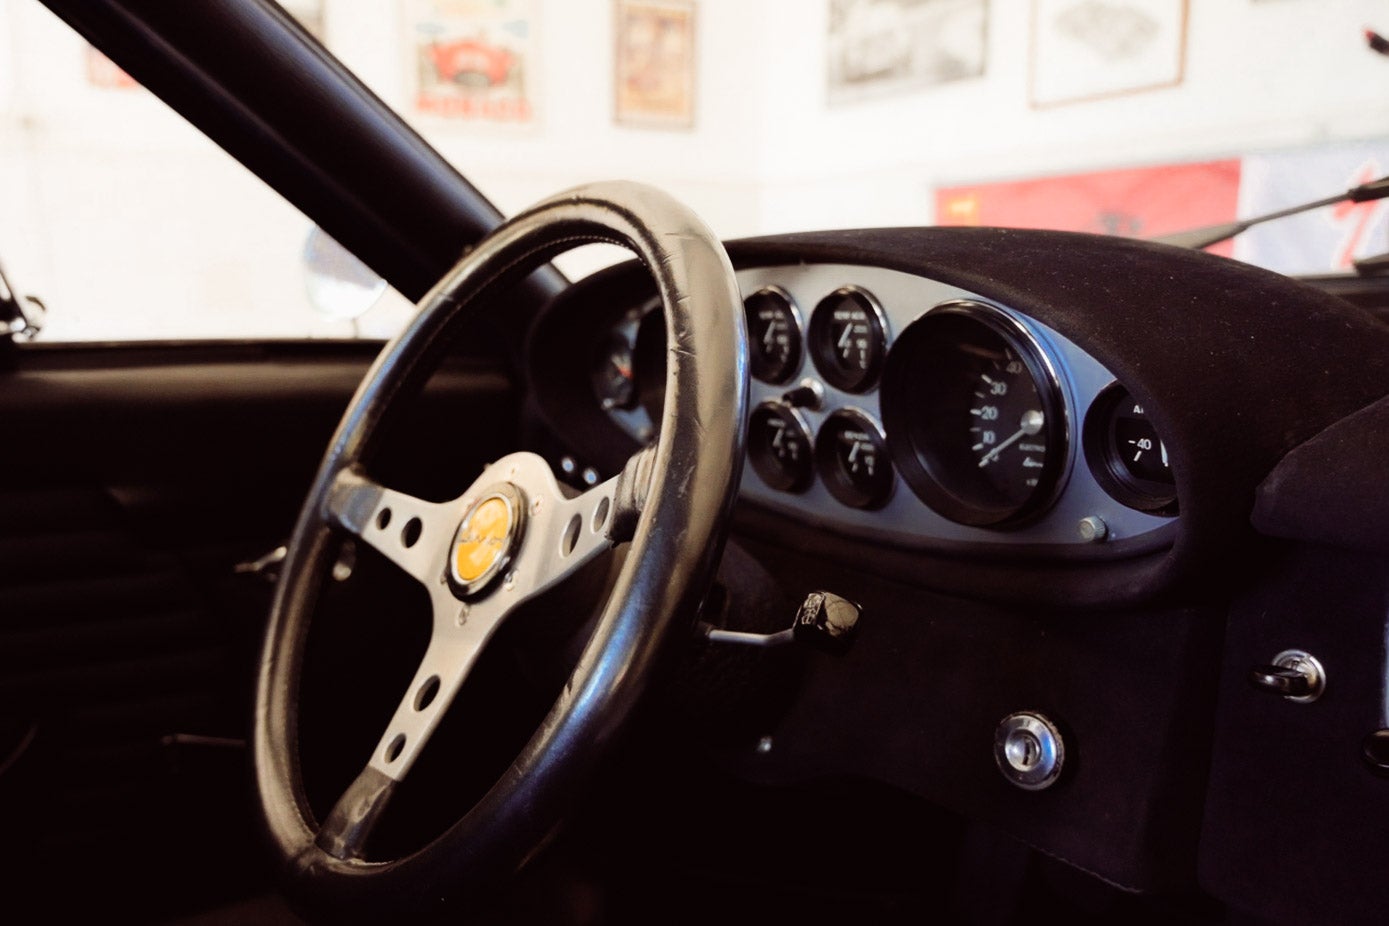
(934, 472)
(831, 474)
(882, 337)
(797, 326)
(1109, 471)
(757, 454)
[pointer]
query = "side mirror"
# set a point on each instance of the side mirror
(338, 284)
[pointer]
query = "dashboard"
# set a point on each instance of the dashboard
(1146, 373)
(1095, 478)
(893, 406)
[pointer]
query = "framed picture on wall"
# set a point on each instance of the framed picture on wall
(654, 62)
(1091, 49)
(311, 16)
(104, 73)
(472, 60)
(877, 47)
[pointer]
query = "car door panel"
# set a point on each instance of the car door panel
(132, 482)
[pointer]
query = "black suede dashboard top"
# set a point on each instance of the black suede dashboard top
(1236, 366)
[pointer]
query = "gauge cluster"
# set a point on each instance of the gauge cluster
(897, 407)
(632, 346)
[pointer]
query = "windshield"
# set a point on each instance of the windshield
(1128, 117)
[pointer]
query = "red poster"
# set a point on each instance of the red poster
(102, 72)
(1136, 203)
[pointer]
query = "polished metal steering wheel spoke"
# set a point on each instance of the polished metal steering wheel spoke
(460, 632)
(557, 536)
(410, 532)
(561, 534)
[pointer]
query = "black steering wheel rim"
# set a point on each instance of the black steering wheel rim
(693, 478)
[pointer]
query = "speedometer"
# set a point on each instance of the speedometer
(974, 415)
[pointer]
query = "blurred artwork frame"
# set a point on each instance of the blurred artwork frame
(654, 66)
(104, 73)
(1084, 50)
(881, 47)
(472, 61)
(311, 15)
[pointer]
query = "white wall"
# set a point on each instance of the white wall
(716, 167)
(1259, 75)
(117, 212)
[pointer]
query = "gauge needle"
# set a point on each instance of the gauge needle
(1031, 423)
(843, 343)
(769, 338)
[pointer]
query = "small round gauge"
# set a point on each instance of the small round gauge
(613, 381)
(779, 447)
(975, 417)
(848, 339)
(774, 335)
(1126, 455)
(851, 456)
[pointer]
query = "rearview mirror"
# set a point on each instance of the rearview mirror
(339, 285)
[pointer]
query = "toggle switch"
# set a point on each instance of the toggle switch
(824, 621)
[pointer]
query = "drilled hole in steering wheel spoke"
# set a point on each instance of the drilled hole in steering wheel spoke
(395, 748)
(410, 534)
(571, 535)
(600, 514)
(383, 519)
(427, 692)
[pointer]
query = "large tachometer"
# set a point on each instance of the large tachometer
(974, 416)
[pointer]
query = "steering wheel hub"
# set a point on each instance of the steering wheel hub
(486, 540)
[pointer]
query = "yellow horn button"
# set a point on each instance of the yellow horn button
(482, 540)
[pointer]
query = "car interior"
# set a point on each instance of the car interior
(880, 575)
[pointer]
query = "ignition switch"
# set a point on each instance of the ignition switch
(1029, 750)
(1295, 674)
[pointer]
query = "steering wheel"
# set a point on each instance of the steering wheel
(507, 538)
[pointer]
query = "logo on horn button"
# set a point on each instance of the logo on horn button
(486, 539)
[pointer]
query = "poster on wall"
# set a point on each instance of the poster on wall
(1325, 240)
(1140, 202)
(310, 15)
(472, 60)
(879, 47)
(655, 63)
(104, 73)
(1091, 49)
